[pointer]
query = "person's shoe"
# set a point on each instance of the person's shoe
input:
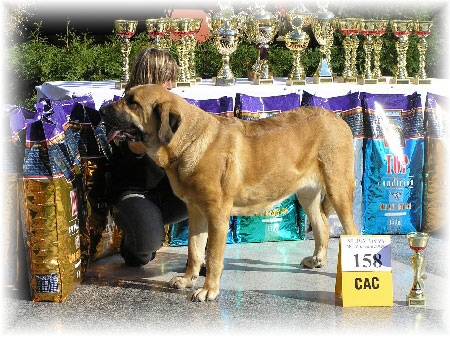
(131, 259)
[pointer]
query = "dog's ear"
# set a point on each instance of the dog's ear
(168, 122)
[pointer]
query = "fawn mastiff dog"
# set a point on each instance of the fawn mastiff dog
(226, 166)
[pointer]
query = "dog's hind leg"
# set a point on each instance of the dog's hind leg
(310, 199)
(197, 238)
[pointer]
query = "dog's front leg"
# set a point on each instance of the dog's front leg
(197, 237)
(217, 236)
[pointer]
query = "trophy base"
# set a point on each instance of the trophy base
(182, 84)
(422, 81)
(120, 85)
(415, 302)
(368, 81)
(198, 80)
(320, 80)
(295, 82)
(382, 80)
(400, 81)
(262, 81)
(224, 82)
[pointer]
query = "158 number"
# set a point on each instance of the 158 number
(368, 260)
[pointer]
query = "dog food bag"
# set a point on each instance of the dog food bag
(177, 234)
(436, 174)
(349, 108)
(222, 106)
(252, 107)
(393, 163)
(278, 224)
(51, 227)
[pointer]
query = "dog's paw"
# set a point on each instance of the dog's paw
(181, 282)
(202, 295)
(312, 262)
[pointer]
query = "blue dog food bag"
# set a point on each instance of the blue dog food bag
(349, 108)
(393, 163)
(436, 174)
(285, 221)
(222, 106)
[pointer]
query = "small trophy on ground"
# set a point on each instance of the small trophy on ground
(402, 29)
(125, 29)
(297, 41)
(417, 241)
(422, 29)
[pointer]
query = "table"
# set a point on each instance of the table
(105, 90)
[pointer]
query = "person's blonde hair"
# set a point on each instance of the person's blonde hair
(152, 66)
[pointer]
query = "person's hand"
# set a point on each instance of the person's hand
(136, 147)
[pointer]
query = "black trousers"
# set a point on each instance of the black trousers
(142, 217)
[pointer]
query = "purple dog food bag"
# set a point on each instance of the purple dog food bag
(222, 106)
(393, 163)
(436, 174)
(348, 107)
(252, 107)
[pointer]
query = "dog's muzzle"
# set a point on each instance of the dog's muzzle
(117, 129)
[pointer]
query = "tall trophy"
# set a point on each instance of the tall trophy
(297, 41)
(368, 29)
(125, 29)
(191, 44)
(402, 29)
(417, 242)
(182, 28)
(157, 30)
(350, 28)
(226, 41)
(262, 27)
(380, 29)
(422, 29)
(322, 26)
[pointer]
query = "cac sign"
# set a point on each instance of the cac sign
(364, 271)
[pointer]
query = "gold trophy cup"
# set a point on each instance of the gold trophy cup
(402, 29)
(297, 41)
(157, 30)
(422, 29)
(368, 29)
(380, 29)
(322, 26)
(417, 241)
(125, 29)
(261, 29)
(350, 28)
(182, 28)
(192, 43)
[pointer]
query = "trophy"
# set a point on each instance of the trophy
(125, 29)
(422, 29)
(350, 28)
(402, 29)
(297, 41)
(261, 29)
(157, 29)
(417, 242)
(191, 44)
(226, 28)
(380, 29)
(226, 41)
(368, 29)
(322, 26)
(182, 28)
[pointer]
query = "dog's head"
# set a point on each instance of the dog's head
(146, 112)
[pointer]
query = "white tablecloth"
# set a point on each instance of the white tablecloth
(105, 90)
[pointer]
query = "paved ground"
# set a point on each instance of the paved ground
(263, 292)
